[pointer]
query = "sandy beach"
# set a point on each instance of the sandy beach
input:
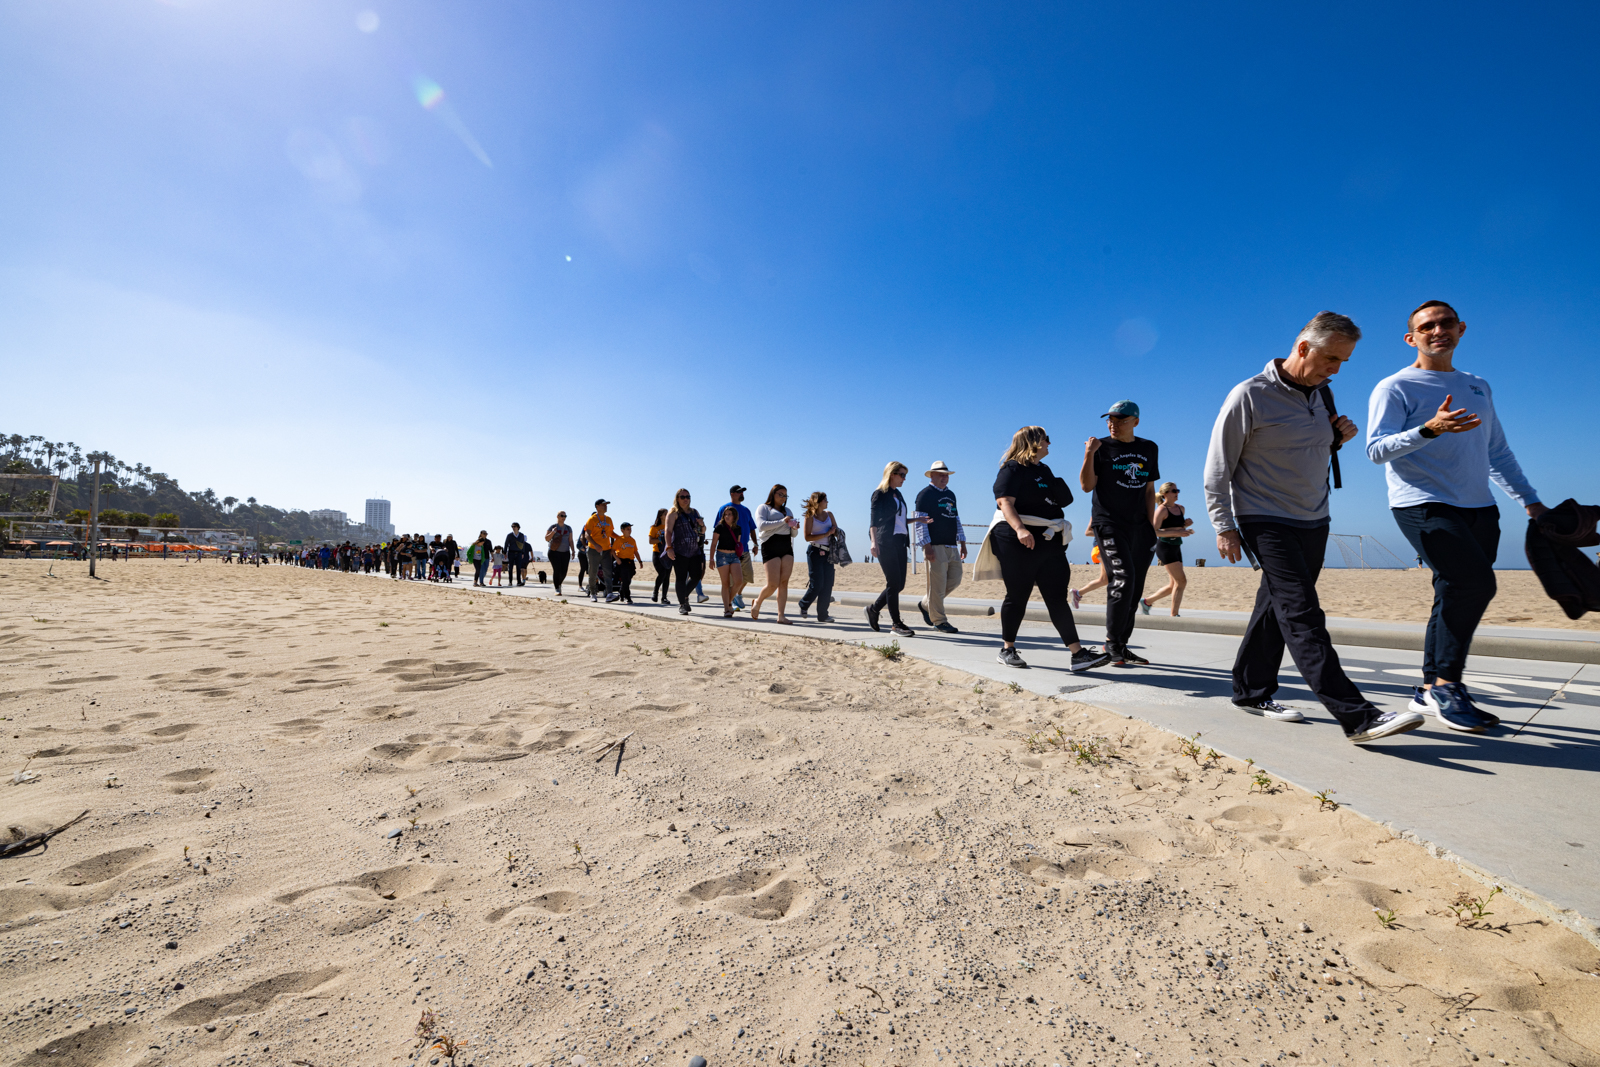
(1391, 595)
(320, 805)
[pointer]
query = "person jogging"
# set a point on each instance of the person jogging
(1172, 526)
(1119, 472)
(1266, 483)
(1438, 460)
(559, 538)
(943, 543)
(601, 539)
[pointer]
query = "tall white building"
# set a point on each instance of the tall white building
(378, 516)
(329, 515)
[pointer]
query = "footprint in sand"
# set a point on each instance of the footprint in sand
(102, 868)
(391, 883)
(177, 729)
(1092, 866)
(409, 754)
(193, 780)
(756, 894)
(920, 851)
(252, 998)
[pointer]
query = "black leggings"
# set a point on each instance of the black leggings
(1044, 565)
(558, 568)
(688, 572)
(663, 567)
(892, 558)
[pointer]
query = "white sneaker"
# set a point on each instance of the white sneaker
(1271, 709)
(1076, 598)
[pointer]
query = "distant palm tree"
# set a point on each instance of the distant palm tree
(228, 502)
(251, 501)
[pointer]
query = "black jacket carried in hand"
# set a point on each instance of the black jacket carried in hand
(1569, 576)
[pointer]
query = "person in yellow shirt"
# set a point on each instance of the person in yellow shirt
(627, 553)
(600, 537)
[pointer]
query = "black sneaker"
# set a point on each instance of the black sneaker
(1087, 659)
(946, 628)
(872, 619)
(1385, 724)
(803, 609)
(1271, 709)
(683, 609)
(1126, 657)
(1010, 658)
(924, 609)
(900, 629)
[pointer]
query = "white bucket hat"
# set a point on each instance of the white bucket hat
(937, 468)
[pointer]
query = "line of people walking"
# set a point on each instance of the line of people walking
(1267, 485)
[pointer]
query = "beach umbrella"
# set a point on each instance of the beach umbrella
(34, 543)
(53, 544)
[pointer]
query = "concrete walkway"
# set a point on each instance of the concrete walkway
(1522, 802)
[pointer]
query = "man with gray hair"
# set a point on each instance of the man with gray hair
(1266, 485)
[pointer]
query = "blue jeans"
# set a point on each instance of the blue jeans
(819, 582)
(1459, 545)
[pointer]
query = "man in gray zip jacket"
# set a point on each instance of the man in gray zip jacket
(1266, 488)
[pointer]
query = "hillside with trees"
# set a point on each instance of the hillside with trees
(133, 495)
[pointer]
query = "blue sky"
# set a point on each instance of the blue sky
(637, 246)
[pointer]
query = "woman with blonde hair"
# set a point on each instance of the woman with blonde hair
(1171, 528)
(818, 531)
(685, 537)
(891, 540)
(1028, 539)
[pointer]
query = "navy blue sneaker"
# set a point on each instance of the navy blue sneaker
(1490, 720)
(1449, 704)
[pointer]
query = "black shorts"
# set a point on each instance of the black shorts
(1169, 552)
(777, 546)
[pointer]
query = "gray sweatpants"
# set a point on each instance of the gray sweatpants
(944, 575)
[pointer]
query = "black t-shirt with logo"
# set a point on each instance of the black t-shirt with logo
(940, 505)
(1122, 471)
(1038, 491)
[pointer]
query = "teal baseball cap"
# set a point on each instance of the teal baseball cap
(1123, 409)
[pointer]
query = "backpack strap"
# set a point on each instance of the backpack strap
(1338, 439)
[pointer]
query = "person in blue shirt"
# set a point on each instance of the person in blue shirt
(1435, 430)
(747, 528)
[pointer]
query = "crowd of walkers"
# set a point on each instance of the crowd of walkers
(1267, 493)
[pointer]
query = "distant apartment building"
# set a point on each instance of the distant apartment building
(329, 515)
(378, 517)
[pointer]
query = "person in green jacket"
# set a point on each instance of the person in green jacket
(478, 556)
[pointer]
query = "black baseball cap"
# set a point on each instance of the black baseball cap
(597, 503)
(626, 526)
(736, 489)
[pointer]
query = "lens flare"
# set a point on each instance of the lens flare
(430, 94)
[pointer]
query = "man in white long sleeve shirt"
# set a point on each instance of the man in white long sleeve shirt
(1439, 461)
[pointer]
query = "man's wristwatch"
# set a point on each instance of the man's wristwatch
(1427, 433)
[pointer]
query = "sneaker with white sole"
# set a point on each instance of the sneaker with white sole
(700, 598)
(1449, 706)
(1384, 724)
(1144, 606)
(1087, 659)
(1271, 709)
(1011, 658)
(1490, 719)
(1419, 704)
(1419, 700)
(1076, 598)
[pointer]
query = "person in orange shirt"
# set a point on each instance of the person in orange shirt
(601, 538)
(627, 553)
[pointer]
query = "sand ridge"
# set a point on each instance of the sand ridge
(810, 854)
